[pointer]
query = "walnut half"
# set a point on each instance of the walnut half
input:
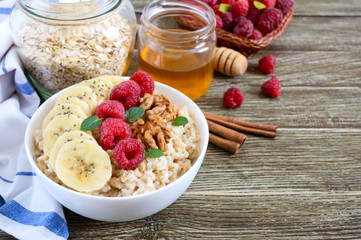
(153, 132)
(156, 104)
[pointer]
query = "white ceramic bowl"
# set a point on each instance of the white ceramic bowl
(117, 209)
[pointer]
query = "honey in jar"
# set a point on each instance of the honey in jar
(179, 58)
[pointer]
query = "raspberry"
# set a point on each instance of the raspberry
(210, 2)
(233, 98)
(284, 5)
(144, 81)
(219, 22)
(267, 64)
(216, 10)
(256, 35)
(268, 3)
(239, 20)
(228, 1)
(227, 19)
(244, 29)
(253, 14)
(272, 87)
(269, 20)
(240, 8)
(127, 92)
(112, 131)
(110, 108)
(129, 153)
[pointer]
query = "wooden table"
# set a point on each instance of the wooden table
(306, 183)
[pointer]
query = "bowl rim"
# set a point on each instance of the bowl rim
(200, 157)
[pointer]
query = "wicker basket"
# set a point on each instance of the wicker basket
(244, 45)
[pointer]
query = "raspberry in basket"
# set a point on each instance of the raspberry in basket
(129, 153)
(244, 28)
(233, 98)
(127, 92)
(228, 1)
(269, 20)
(256, 35)
(240, 8)
(239, 20)
(253, 14)
(144, 81)
(112, 131)
(210, 2)
(216, 10)
(272, 87)
(219, 22)
(227, 19)
(267, 64)
(284, 5)
(111, 108)
(268, 3)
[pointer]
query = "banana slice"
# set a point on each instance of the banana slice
(84, 93)
(113, 78)
(56, 127)
(106, 81)
(64, 138)
(83, 105)
(63, 109)
(98, 86)
(83, 165)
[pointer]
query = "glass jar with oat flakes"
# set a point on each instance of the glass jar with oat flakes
(62, 42)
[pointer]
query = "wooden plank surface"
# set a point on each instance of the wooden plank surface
(322, 92)
(306, 183)
(275, 215)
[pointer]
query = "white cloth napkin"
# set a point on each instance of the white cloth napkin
(27, 211)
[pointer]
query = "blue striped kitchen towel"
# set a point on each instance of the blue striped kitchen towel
(27, 211)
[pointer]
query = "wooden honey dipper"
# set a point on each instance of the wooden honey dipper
(229, 62)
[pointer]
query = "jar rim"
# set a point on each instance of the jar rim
(200, 9)
(67, 12)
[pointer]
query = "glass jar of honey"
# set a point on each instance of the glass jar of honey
(62, 42)
(174, 55)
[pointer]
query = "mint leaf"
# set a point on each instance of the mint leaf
(90, 123)
(154, 153)
(224, 7)
(134, 113)
(180, 121)
(259, 5)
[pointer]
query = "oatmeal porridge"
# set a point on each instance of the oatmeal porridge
(154, 130)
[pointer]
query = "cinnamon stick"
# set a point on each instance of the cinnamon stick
(225, 144)
(226, 132)
(242, 128)
(252, 125)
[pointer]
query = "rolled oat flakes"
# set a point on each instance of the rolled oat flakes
(57, 56)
